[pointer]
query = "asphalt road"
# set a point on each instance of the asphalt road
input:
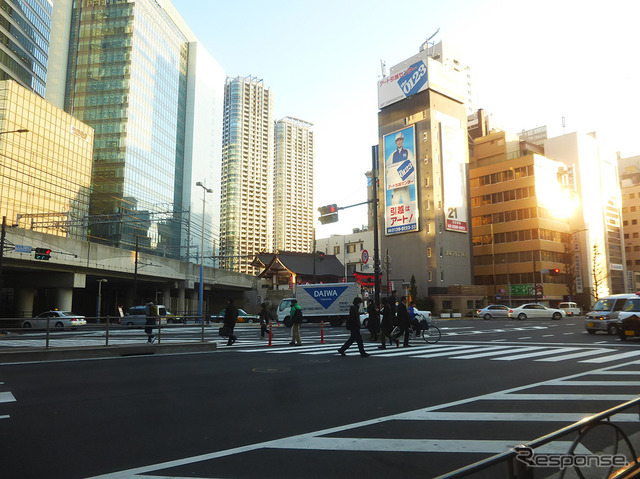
(258, 411)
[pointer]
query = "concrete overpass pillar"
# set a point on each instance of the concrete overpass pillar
(24, 302)
(166, 296)
(181, 304)
(64, 299)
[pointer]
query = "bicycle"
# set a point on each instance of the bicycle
(430, 332)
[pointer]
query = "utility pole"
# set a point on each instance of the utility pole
(135, 277)
(535, 289)
(376, 246)
(314, 256)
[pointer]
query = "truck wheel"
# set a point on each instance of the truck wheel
(287, 321)
(335, 322)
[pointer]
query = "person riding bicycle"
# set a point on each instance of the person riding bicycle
(415, 320)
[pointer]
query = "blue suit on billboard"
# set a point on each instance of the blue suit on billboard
(400, 156)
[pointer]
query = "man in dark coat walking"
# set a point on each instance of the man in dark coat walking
(353, 325)
(229, 321)
(386, 326)
(404, 320)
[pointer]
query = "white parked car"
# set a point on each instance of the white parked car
(535, 310)
(364, 317)
(494, 311)
(570, 308)
(56, 319)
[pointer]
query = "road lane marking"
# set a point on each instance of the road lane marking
(495, 353)
(614, 357)
(535, 354)
(6, 397)
(577, 355)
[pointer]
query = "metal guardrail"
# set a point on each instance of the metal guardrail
(517, 469)
(11, 330)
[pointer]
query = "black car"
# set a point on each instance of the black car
(629, 327)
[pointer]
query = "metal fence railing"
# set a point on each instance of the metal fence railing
(103, 331)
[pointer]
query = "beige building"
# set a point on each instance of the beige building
(45, 164)
(518, 237)
(423, 175)
(246, 211)
(629, 171)
(293, 186)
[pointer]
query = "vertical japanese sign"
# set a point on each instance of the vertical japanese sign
(452, 146)
(401, 201)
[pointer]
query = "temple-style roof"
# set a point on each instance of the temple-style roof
(328, 269)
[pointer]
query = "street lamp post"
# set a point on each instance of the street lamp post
(99, 306)
(204, 202)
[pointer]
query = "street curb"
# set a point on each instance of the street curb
(93, 352)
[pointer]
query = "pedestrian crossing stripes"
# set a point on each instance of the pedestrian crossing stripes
(525, 408)
(499, 352)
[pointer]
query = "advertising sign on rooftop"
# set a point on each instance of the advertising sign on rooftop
(417, 74)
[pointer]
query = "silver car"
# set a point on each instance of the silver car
(535, 310)
(494, 311)
(56, 320)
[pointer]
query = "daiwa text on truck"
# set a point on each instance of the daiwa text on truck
(321, 302)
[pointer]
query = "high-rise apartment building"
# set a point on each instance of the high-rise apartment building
(133, 71)
(45, 164)
(293, 186)
(25, 32)
(423, 171)
(246, 212)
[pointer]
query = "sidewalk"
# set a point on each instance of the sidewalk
(86, 352)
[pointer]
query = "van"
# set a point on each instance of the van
(605, 313)
(136, 316)
(570, 308)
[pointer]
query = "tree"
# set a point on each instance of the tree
(570, 270)
(413, 288)
(599, 271)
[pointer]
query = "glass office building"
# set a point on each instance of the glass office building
(127, 78)
(45, 164)
(25, 27)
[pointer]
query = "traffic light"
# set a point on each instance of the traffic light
(43, 253)
(554, 272)
(328, 214)
(319, 256)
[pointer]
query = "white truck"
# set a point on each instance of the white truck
(321, 302)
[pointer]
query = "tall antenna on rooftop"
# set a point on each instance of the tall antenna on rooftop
(383, 66)
(428, 43)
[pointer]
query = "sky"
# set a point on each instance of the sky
(533, 63)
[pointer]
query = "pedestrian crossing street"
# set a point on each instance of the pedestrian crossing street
(461, 351)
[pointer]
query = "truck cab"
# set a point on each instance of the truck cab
(283, 311)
